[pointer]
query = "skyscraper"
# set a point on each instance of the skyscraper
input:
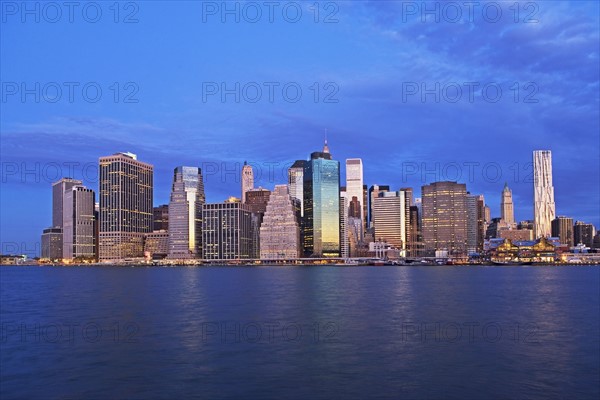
(543, 193)
(247, 180)
(227, 231)
(280, 231)
(389, 218)
(126, 211)
(322, 205)
(562, 227)
(506, 207)
(354, 184)
(296, 182)
(185, 213)
(58, 191)
(79, 236)
(444, 217)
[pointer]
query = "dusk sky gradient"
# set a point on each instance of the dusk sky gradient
(373, 52)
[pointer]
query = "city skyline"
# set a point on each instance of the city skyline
(369, 55)
(274, 181)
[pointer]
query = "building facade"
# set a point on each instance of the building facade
(185, 213)
(156, 244)
(280, 230)
(543, 193)
(126, 209)
(373, 194)
(52, 244)
(475, 223)
(227, 231)
(583, 233)
(389, 219)
(444, 217)
(562, 228)
(161, 217)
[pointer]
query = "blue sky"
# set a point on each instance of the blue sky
(371, 62)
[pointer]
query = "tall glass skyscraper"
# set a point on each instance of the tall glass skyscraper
(185, 213)
(322, 205)
(543, 193)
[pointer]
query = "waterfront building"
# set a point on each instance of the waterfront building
(185, 213)
(79, 235)
(126, 210)
(389, 219)
(543, 193)
(445, 217)
(156, 244)
(227, 231)
(280, 230)
(52, 243)
(321, 205)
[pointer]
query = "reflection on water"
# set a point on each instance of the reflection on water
(299, 332)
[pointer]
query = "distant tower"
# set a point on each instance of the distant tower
(247, 180)
(543, 193)
(506, 207)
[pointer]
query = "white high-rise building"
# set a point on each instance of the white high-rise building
(185, 213)
(389, 220)
(543, 193)
(354, 188)
(247, 180)
(280, 230)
